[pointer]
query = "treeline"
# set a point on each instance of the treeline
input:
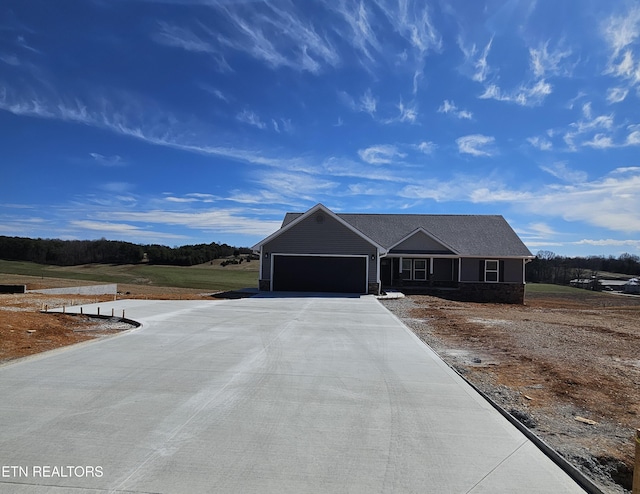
(547, 267)
(189, 255)
(74, 252)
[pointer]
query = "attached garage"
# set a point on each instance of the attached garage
(319, 273)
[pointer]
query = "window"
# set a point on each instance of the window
(420, 269)
(414, 269)
(491, 271)
(406, 269)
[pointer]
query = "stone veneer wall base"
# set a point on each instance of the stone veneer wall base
(502, 293)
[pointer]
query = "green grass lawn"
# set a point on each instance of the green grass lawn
(549, 288)
(203, 277)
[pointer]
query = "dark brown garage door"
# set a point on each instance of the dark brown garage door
(320, 274)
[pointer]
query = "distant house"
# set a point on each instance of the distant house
(632, 286)
(480, 256)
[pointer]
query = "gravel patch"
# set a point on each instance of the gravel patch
(550, 364)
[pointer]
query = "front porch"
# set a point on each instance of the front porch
(422, 271)
(450, 278)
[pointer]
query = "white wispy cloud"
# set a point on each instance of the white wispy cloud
(273, 33)
(276, 187)
(599, 128)
(481, 64)
(540, 143)
(587, 125)
(617, 94)
(411, 22)
(610, 242)
(433, 189)
(381, 154)
(21, 41)
(539, 230)
(146, 124)
(621, 32)
(545, 62)
(340, 167)
(367, 102)
(122, 230)
(213, 220)
(525, 95)
(251, 118)
(216, 92)
(10, 59)
(610, 202)
(103, 160)
(282, 125)
(633, 139)
(180, 37)
(426, 147)
(449, 107)
(361, 33)
(475, 62)
(407, 113)
(21, 225)
(193, 197)
(600, 141)
(563, 172)
(476, 145)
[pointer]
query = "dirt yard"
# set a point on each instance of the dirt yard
(566, 366)
(25, 330)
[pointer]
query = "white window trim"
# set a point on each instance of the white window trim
(410, 261)
(414, 270)
(428, 268)
(496, 271)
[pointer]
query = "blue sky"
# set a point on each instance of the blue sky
(192, 121)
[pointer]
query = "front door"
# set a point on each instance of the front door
(386, 271)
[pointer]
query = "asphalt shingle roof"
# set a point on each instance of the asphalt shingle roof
(468, 235)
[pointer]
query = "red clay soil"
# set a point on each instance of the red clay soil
(25, 330)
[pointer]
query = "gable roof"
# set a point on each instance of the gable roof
(295, 218)
(466, 235)
(425, 233)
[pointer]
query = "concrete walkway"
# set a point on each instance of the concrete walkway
(259, 395)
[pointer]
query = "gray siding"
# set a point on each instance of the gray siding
(420, 242)
(469, 270)
(445, 270)
(313, 237)
(511, 270)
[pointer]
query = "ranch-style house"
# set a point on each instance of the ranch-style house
(479, 257)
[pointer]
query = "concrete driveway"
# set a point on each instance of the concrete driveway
(267, 394)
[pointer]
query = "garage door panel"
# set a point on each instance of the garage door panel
(319, 274)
